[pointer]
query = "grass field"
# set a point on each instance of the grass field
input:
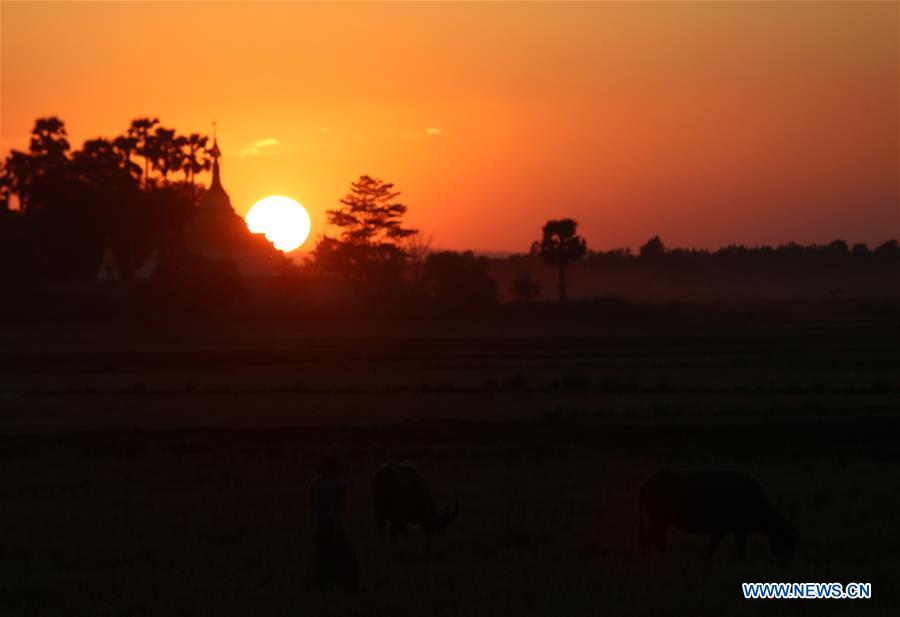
(160, 473)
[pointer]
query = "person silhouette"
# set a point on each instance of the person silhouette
(336, 564)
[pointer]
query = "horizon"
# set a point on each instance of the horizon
(755, 124)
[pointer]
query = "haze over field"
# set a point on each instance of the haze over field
(707, 123)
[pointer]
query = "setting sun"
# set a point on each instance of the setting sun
(284, 221)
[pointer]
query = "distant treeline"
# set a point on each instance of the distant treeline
(658, 272)
(64, 211)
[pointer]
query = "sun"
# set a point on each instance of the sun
(284, 221)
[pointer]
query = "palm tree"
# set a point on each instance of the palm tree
(49, 139)
(143, 142)
(30, 175)
(195, 158)
(166, 154)
(18, 178)
(559, 247)
(125, 146)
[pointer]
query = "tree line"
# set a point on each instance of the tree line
(136, 193)
(377, 253)
(734, 271)
(59, 206)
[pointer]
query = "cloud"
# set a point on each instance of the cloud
(408, 133)
(254, 148)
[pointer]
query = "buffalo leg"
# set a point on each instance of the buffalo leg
(714, 542)
(657, 534)
(741, 541)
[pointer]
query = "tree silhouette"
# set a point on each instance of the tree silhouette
(196, 158)
(559, 247)
(73, 205)
(525, 289)
(125, 147)
(369, 215)
(144, 146)
(56, 208)
(887, 251)
(860, 251)
(106, 180)
(17, 178)
(48, 139)
(36, 176)
(368, 249)
(653, 248)
(166, 152)
(417, 248)
(100, 163)
(459, 282)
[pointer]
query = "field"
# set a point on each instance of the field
(152, 471)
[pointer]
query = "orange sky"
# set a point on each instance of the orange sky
(707, 123)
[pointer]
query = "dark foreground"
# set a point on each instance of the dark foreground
(145, 475)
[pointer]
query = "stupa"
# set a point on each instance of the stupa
(218, 232)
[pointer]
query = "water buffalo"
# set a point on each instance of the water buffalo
(714, 502)
(401, 495)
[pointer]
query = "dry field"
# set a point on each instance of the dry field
(151, 472)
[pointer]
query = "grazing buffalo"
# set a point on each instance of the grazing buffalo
(714, 502)
(401, 495)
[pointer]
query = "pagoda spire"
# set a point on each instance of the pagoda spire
(216, 181)
(216, 198)
(215, 153)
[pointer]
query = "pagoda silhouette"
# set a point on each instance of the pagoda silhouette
(218, 233)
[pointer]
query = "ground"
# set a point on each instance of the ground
(147, 471)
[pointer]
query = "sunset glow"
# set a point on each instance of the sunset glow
(284, 222)
(705, 122)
